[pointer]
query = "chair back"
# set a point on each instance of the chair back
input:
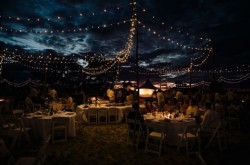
(37, 107)
(59, 125)
(60, 121)
(192, 129)
(18, 113)
(41, 157)
(112, 115)
(92, 115)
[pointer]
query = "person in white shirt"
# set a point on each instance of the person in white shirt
(211, 118)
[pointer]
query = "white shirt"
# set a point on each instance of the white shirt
(211, 119)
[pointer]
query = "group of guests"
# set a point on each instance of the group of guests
(123, 95)
(35, 97)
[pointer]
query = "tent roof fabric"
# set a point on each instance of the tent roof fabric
(148, 85)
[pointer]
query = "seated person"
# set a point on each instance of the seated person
(135, 115)
(149, 107)
(29, 104)
(184, 106)
(192, 109)
(69, 103)
(129, 98)
(169, 106)
(69, 100)
(211, 117)
(52, 93)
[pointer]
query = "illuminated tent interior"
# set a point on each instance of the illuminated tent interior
(147, 89)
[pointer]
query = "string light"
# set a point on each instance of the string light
(235, 80)
(120, 56)
(1, 64)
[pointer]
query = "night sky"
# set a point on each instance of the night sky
(170, 34)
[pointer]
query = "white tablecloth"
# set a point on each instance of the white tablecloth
(41, 124)
(172, 127)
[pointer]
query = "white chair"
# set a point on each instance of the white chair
(78, 122)
(29, 108)
(112, 115)
(37, 107)
(102, 116)
(219, 134)
(10, 134)
(135, 135)
(18, 116)
(40, 159)
(18, 113)
(92, 116)
(4, 124)
(21, 105)
(191, 138)
(233, 119)
(155, 138)
(126, 112)
(5, 153)
(59, 129)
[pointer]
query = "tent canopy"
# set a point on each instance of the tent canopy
(148, 85)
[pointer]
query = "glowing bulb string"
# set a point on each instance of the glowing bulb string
(172, 41)
(1, 64)
(163, 23)
(62, 31)
(235, 80)
(77, 15)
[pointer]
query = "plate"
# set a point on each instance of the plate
(70, 113)
(37, 116)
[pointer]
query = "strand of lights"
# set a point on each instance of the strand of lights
(70, 60)
(183, 46)
(233, 81)
(154, 71)
(55, 69)
(100, 69)
(206, 48)
(35, 82)
(16, 84)
(57, 59)
(177, 29)
(202, 62)
(77, 16)
(124, 54)
(63, 31)
(1, 64)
